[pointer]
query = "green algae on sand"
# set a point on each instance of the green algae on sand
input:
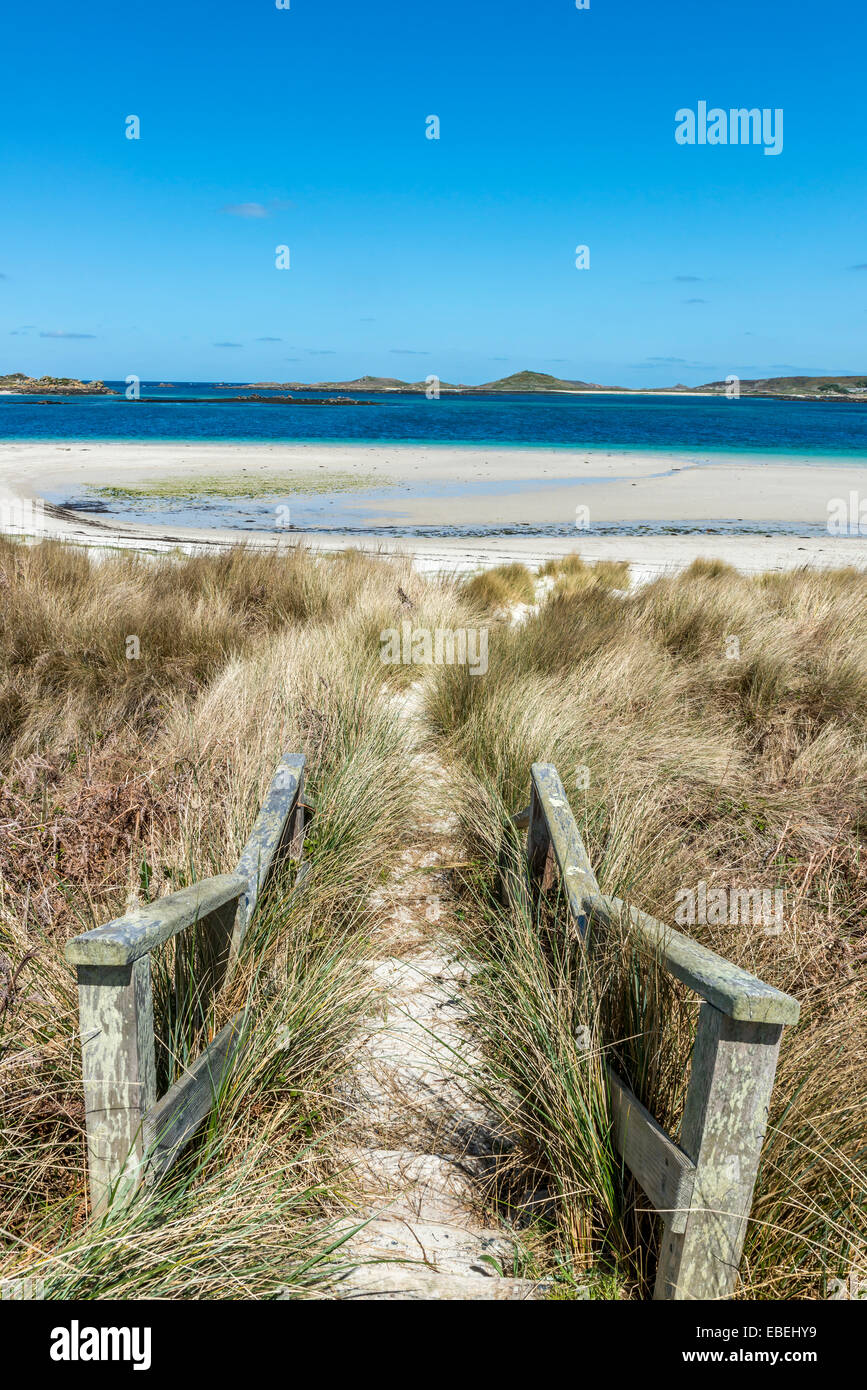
(246, 485)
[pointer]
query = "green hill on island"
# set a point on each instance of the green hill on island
(807, 386)
(519, 382)
(528, 382)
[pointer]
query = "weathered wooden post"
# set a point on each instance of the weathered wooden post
(723, 1129)
(116, 1018)
(538, 837)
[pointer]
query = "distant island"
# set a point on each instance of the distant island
(271, 399)
(19, 384)
(520, 383)
(792, 387)
(807, 388)
(529, 382)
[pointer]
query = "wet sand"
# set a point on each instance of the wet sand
(460, 487)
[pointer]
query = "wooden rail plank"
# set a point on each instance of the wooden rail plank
(662, 1170)
(567, 846)
(732, 990)
(172, 1122)
(262, 848)
(138, 933)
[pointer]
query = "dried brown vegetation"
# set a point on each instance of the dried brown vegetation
(127, 777)
(686, 757)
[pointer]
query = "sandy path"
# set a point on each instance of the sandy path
(417, 1144)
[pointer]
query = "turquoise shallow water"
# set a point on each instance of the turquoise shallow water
(712, 424)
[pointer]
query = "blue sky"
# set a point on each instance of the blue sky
(412, 256)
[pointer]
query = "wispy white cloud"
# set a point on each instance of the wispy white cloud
(62, 333)
(246, 210)
(257, 209)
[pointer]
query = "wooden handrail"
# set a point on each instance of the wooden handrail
(734, 991)
(257, 857)
(139, 932)
(703, 1186)
(130, 1131)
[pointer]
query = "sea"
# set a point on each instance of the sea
(201, 411)
(696, 428)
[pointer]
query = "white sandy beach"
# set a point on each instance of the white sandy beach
(446, 486)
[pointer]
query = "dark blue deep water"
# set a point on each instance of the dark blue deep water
(614, 422)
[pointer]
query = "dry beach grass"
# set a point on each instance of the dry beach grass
(125, 778)
(682, 764)
(240, 659)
